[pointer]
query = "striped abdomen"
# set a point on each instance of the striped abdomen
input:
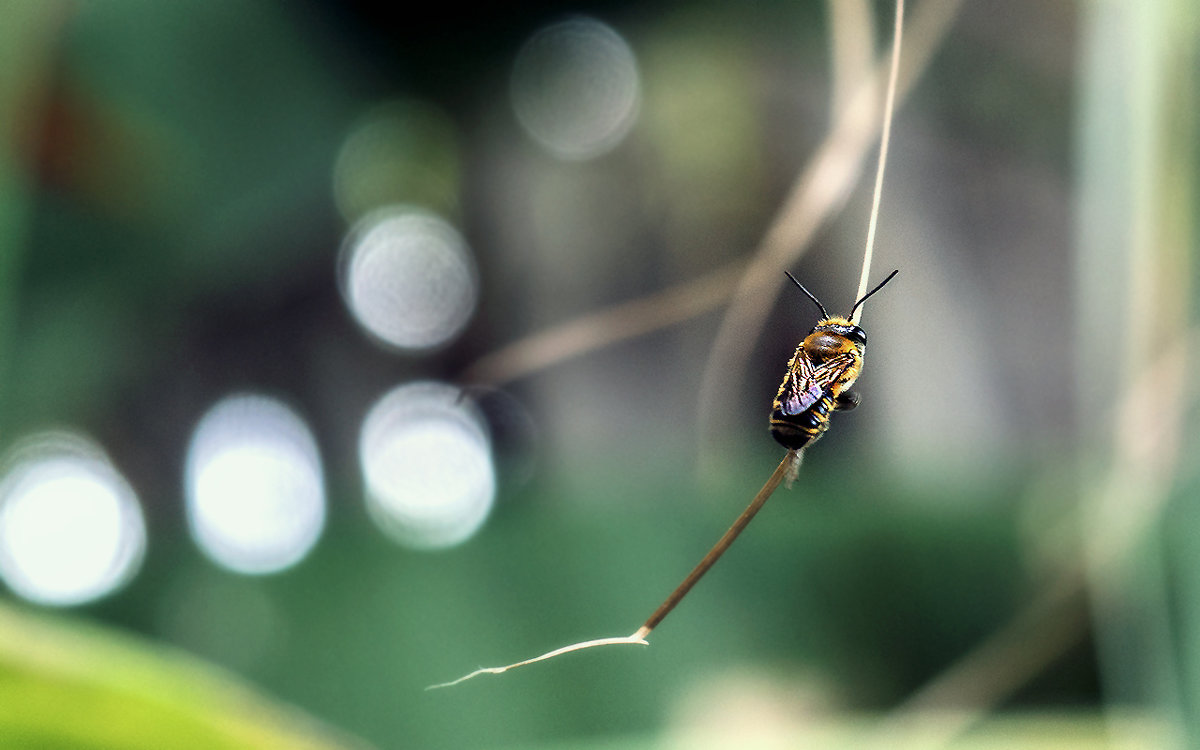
(796, 430)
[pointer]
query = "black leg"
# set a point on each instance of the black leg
(846, 401)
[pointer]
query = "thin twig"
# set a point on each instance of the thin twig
(851, 49)
(631, 640)
(884, 139)
(786, 468)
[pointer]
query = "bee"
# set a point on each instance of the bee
(825, 365)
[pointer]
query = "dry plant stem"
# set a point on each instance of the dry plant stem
(889, 106)
(629, 640)
(787, 466)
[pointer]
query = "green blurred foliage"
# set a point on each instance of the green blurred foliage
(70, 685)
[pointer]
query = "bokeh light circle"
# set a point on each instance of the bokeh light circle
(575, 88)
(427, 466)
(254, 485)
(407, 278)
(71, 529)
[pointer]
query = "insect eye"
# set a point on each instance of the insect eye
(857, 335)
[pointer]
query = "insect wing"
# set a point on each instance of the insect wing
(830, 372)
(807, 384)
(801, 389)
(797, 402)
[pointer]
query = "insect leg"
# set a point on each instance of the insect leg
(846, 401)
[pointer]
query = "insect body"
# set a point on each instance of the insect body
(825, 365)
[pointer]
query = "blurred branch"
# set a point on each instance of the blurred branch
(596, 330)
(972, 687)
(851, 49)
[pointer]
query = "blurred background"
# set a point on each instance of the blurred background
(344, 351)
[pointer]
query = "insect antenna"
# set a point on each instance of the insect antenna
(811, 296)
(868, 294)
